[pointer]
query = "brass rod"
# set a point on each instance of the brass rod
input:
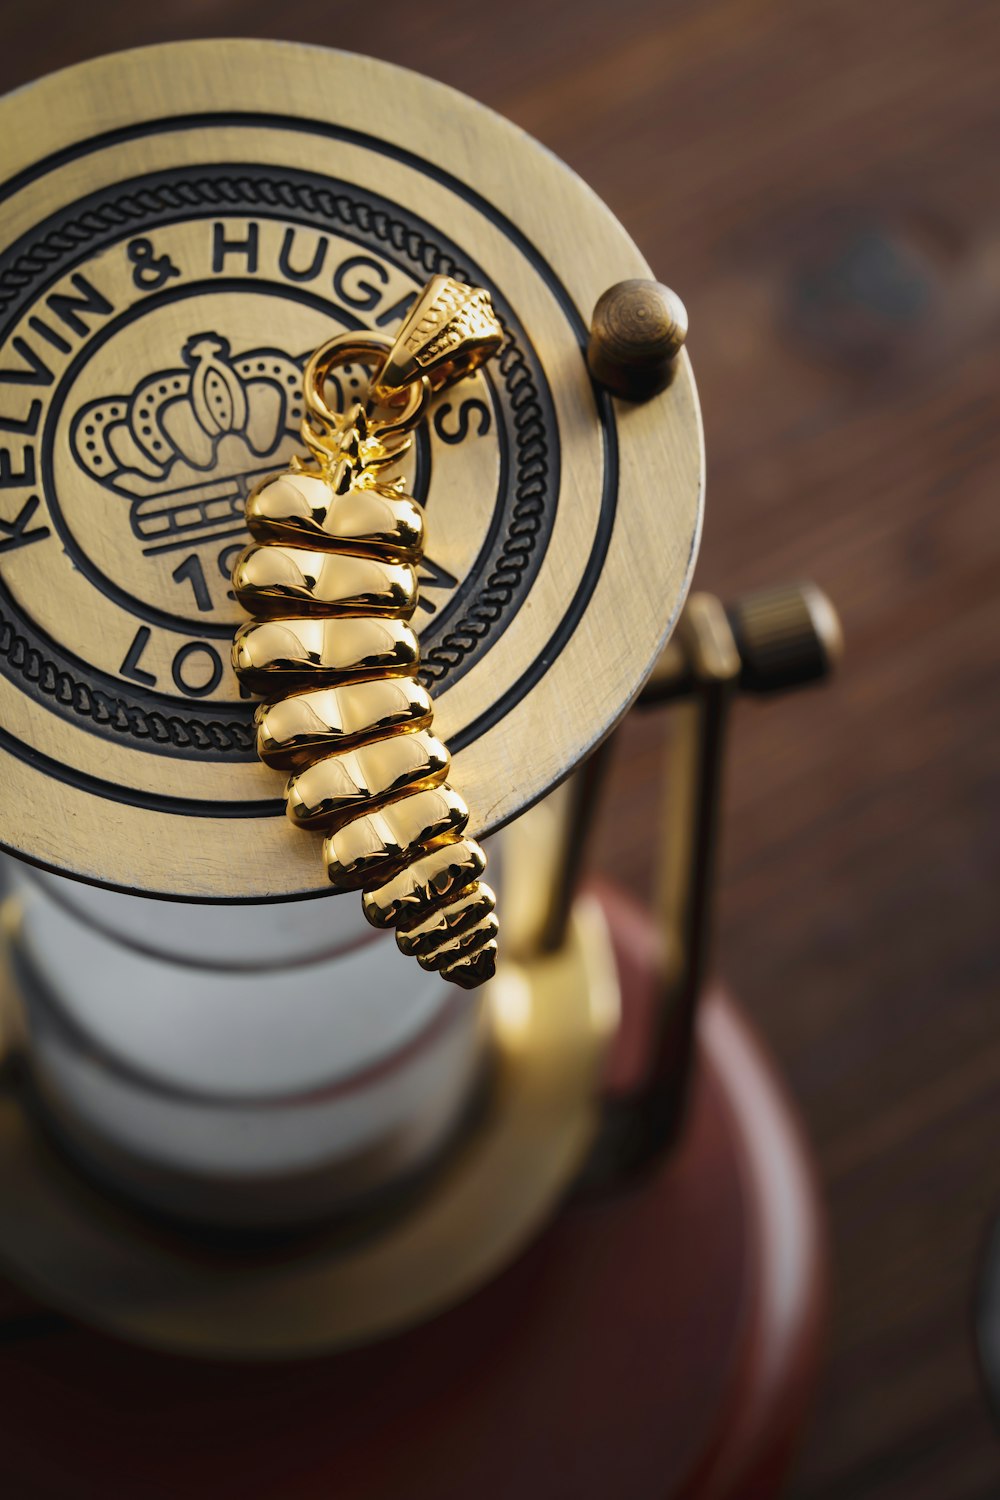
(683, 902)
(580, 800)
(770, 641)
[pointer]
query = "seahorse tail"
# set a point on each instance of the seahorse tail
(332, 583)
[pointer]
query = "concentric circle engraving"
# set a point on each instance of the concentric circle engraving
(165, 407)
(163, 279)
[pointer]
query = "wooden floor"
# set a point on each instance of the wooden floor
(818, 178)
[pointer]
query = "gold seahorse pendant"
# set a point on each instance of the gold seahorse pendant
(331, 583)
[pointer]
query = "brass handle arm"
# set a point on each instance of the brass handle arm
(786, 637)
(782, 638)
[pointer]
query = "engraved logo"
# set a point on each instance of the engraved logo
(152, 346)
(188, 444)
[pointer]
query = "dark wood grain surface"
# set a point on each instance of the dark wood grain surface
(819, 181)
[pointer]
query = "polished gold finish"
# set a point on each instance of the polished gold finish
(548, 1024)
(450, 331)
(298, 507)
(542, 606)
(283, 578)
(331, 792)
(636, 333)
(400, 407)
(293, 731)
(334, 617)
(282, 655)
(446, 871)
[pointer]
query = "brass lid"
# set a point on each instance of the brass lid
(182, 225)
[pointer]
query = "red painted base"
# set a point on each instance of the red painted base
(659, 1342)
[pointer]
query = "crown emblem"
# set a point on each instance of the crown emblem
(188, 444)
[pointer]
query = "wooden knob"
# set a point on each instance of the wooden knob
(636, 333)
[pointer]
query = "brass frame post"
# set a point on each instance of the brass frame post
(778, 639)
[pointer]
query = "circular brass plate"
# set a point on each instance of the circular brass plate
(180, 227)
(80, 1251)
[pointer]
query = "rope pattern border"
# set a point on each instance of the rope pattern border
(125, 715)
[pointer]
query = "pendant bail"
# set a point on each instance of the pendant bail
(450, 331)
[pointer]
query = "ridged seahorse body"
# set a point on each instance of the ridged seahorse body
(332, 584)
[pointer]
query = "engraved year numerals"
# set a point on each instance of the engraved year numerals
(189, 575)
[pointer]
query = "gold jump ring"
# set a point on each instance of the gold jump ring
(370, 349)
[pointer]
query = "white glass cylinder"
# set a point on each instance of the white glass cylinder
(238, 1066)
